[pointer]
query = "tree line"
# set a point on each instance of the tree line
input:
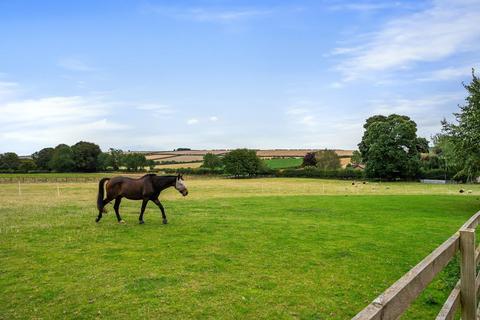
(81, 157)
(390, 148)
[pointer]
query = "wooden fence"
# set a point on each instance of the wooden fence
(392, 303)
(48, 179)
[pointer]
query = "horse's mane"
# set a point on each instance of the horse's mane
(148, 175)
(155, 175)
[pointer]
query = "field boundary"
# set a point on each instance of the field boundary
(394, 301)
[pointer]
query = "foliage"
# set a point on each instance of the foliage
(356, 157)
(194, 171)
(114, 160)
(134, 161)
(62, 159)
(27, 165)
(242, 162)
(465, 133)
(309, 160)
(211, 161)
(42, 158)
(151, 164)
(9, 161)
(327, 160)
(102, 161)
(389, 147)
(85, 155)
(314, 172)
(422, 145)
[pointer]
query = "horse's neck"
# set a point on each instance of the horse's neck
(164, 184)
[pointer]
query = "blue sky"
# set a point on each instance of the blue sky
(156, 75)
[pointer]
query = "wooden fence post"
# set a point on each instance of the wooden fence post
(468, 292)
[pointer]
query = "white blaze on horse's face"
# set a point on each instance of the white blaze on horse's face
(181, 187)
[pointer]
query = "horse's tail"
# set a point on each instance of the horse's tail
(101, 193)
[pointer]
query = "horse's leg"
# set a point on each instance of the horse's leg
(157, 202)
(116, 206)
(144, 204)
(104, 203)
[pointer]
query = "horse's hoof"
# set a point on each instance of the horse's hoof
(97, 219)
(165, 221)
(121, 222)
(141, 222)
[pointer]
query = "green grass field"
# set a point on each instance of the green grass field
(283, 163)
(233, 249)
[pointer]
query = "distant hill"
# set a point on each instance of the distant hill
(193, 158)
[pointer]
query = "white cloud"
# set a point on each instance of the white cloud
(366, 6)
(192, 121)
(213, 119)
(158, 110)
(336, 85)
(426, 111)
(445, 29)
(417, 107)
(203, 14)
(74, 64)
(34, 123)
(302, 116)
(450, 73)
(7, 89)
(297, 111)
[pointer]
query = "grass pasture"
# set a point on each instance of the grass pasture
(283, 163)
(257, 248)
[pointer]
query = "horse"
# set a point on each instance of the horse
(146, 188)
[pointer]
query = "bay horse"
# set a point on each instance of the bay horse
(146, 188)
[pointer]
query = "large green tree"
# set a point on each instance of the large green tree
(134, 161)
(389, 147)
(327, 160)
(27, 165)
(42, 158)
(62, 159)
(242, 162)
(85, 155)
(9, 161)
(211, 161)
(114, 160)
(464, 134)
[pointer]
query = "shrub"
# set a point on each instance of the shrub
(312, 172)
(211, 161)
(242, 163)
(327, 160)
(193, 171)
(309, 160)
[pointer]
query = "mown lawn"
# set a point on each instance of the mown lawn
(229, 251)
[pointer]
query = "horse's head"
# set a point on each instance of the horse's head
(180, 185)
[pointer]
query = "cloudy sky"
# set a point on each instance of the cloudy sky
(154, 75)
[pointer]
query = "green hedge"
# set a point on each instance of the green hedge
(193, 171)
(312, 172)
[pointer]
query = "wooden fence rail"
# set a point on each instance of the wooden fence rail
(392, 303)
(48, 180)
